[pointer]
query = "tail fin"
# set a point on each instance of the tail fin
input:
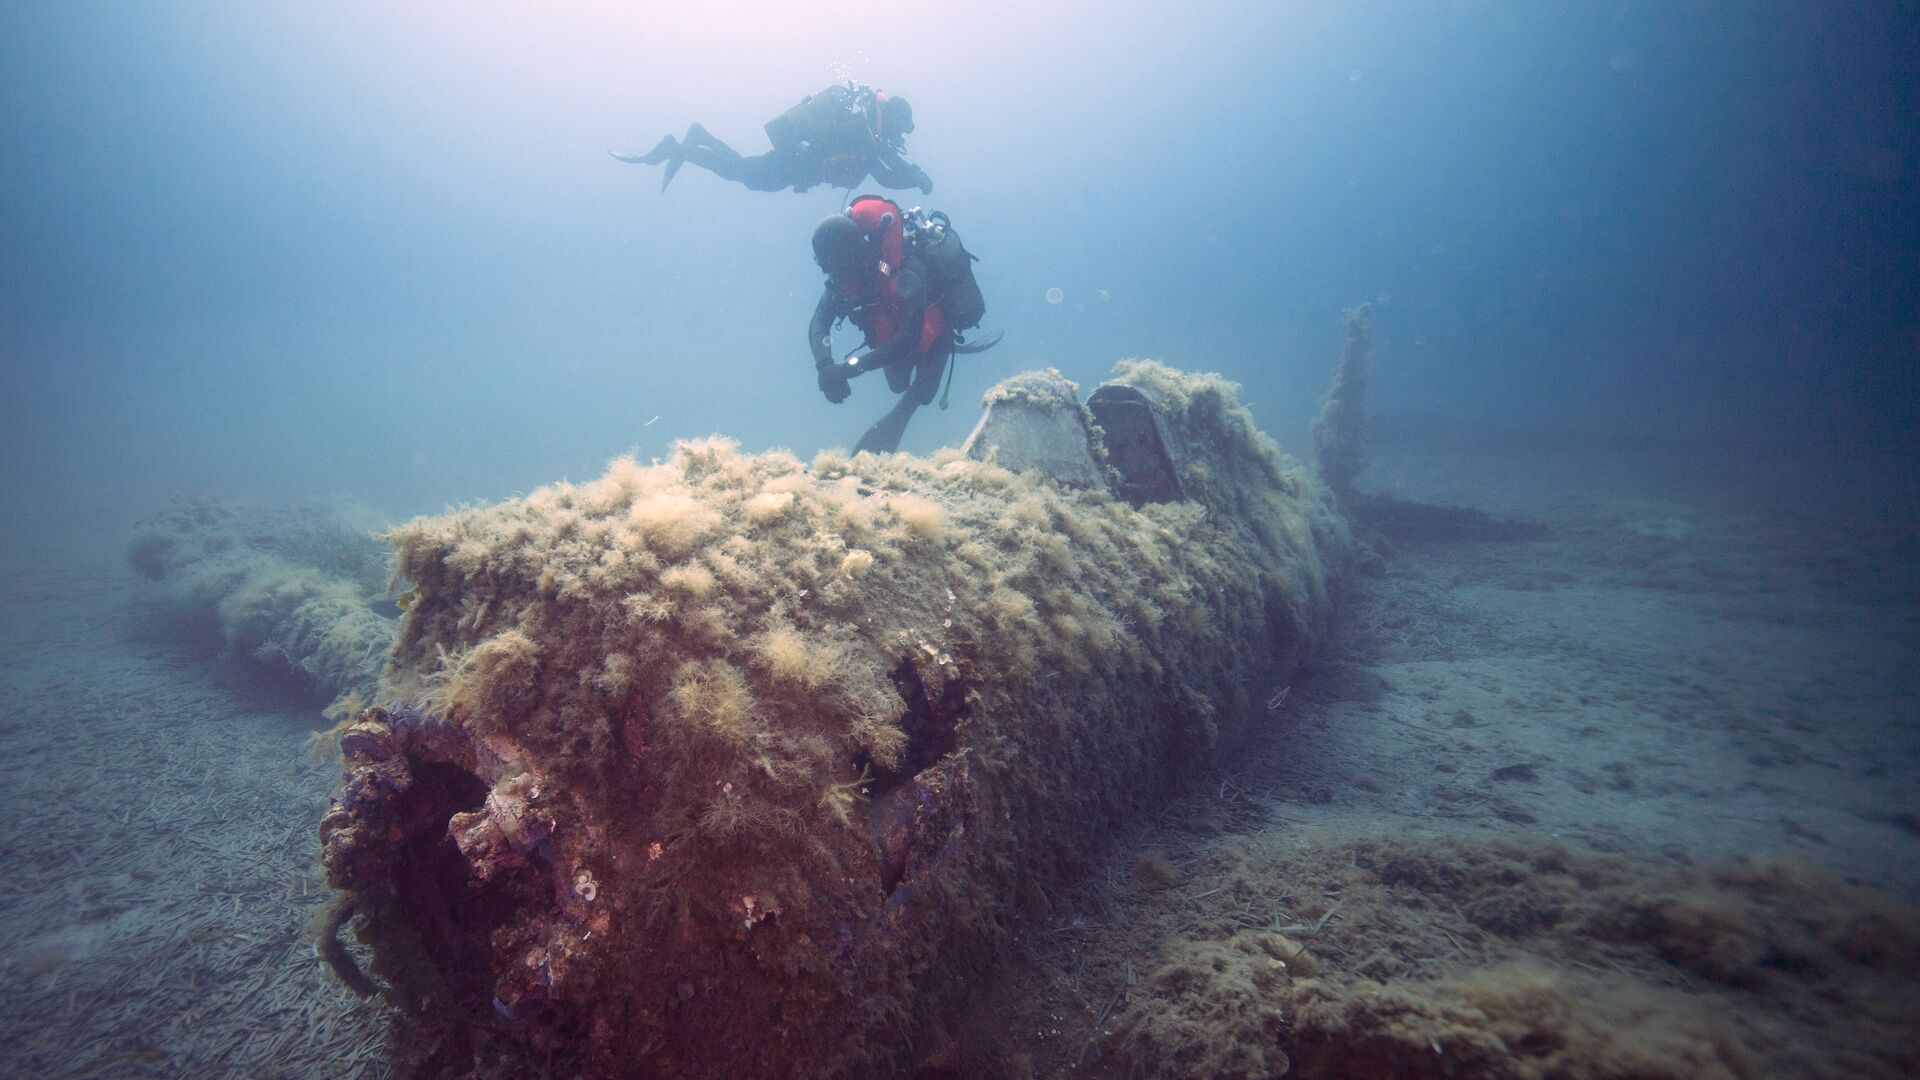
(1340, 431)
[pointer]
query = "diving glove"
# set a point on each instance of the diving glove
(833, 383)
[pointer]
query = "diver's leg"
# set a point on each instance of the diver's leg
(721, 165)
(726, 166)
(927, 373)
(770, 171)
(899, 377)
(700, 136)
(884, 436)
(700, 147)
(662, 150)
(762, 172)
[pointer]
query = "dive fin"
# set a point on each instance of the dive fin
(673, 166)
(980, 344)
(662, 150)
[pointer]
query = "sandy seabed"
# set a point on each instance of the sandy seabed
(1635, 800)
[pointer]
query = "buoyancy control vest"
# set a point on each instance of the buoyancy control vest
(885, 228)
(893, 236)
(875, 296)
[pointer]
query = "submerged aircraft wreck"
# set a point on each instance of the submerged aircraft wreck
(737, 766)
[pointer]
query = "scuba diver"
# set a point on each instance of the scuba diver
(906, 281)
(838, 136)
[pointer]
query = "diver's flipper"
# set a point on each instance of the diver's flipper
(884, 436)
(672, 167)
(980, 344)
(662, 150)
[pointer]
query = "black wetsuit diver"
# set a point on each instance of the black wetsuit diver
(838, 136)
(910, 297)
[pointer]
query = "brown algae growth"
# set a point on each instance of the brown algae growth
(734, 765)
(294, 589)
(1482, 958)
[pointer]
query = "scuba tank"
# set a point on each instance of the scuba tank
(816, 119)
(939, 246)
(931, 235)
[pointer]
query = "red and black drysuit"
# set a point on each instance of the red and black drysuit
(893, 298)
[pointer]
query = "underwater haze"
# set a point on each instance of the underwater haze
(443, 632)
(378, 252)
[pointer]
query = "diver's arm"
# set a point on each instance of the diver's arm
(833, 382)
(820, 329)
(890, 170)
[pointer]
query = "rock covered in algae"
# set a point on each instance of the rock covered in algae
(295, 588)
(732, 765)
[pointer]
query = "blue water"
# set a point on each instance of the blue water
(377, 253)
(1647, 271)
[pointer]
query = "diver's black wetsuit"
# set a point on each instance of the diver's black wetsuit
(834, 137)
(914, 375)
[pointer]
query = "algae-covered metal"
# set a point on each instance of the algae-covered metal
(735, 766)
